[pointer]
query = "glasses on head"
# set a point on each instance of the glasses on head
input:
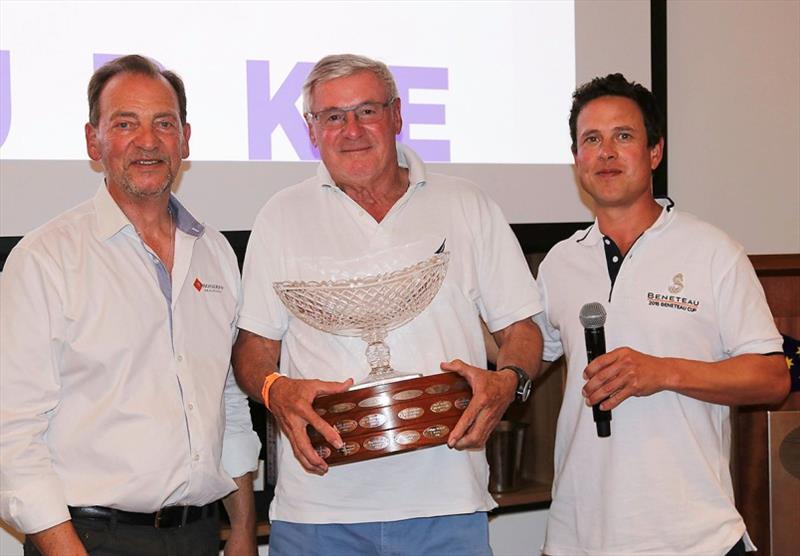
(366, 113)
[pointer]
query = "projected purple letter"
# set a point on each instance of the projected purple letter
(100, 59)
(5, 95)
(265, 114)
(431, 150)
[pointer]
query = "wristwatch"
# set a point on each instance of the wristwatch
(524, 383)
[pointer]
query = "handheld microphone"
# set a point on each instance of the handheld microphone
(593, 317)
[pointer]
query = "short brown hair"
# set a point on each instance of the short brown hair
(615, 85)
(133, 63)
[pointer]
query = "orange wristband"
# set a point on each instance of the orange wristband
(267, 385)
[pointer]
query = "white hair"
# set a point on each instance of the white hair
(344, 65)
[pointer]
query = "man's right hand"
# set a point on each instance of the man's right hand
(290, 402)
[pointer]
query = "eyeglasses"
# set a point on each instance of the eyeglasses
(366, 113)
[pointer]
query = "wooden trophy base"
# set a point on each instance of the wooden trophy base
(392, 418)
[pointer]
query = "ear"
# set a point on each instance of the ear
(187, 132)
(311, 134)
(397, 117)
(92, 142)
(656, 154)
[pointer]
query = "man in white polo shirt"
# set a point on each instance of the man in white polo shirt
(688, 333)
(372, 200)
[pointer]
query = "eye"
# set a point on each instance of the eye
(367, 110)
(625, 136)
(165, 124)
(591, 139)
(333, 117)
(123, 125)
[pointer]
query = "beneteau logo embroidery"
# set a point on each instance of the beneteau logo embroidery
(677, 283)
(673, 302)
(211, 288)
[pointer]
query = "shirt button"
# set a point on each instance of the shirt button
(196, 457)
(191, 406)
(180, 358)
(608, 242)
(615, 259)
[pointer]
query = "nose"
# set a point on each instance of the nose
(146, 138)
(608, 151)
(352, 127)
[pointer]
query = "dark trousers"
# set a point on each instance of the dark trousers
(105, 538)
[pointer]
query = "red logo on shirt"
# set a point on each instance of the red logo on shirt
(212, 288)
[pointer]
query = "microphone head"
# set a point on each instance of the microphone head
(593, 315)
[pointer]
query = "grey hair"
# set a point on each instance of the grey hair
(345, 65)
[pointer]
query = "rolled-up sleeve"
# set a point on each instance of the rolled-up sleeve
(31, 493)
(240, 444)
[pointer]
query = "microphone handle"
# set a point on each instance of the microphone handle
(596, 346)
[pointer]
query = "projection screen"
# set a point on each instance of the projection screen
(485, 89)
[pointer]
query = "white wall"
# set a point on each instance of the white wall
(734, 118)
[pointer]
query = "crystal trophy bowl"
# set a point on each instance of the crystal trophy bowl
(389, 411)
(368, 307)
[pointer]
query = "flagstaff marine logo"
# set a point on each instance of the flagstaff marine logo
(209, 288)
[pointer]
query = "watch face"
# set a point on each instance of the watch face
(524, 391)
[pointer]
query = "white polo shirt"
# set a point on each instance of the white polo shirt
(115, 387)
(314, 231)
(661, 483)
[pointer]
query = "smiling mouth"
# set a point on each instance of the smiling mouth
(355, 149)
(147, 162)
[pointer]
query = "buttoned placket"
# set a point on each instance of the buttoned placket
(167, 283)
(184, 246)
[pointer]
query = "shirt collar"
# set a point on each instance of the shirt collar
(111, 220)
(406, 158)
(593, 235)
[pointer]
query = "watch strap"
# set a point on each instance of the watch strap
(523, 389)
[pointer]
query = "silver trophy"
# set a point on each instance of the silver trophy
(368, 307)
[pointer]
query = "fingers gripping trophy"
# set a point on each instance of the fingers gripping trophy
(389, 411)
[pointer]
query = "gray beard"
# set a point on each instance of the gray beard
(130, 187)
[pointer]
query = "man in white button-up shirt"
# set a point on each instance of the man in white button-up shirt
(121, 423)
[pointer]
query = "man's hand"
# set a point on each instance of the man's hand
(492, 392)
(290, 403)
(620, 374)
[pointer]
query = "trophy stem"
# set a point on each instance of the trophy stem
(377, 353)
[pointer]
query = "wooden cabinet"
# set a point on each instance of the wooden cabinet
(780, 276)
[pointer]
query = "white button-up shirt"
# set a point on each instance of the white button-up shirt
(115, 387)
